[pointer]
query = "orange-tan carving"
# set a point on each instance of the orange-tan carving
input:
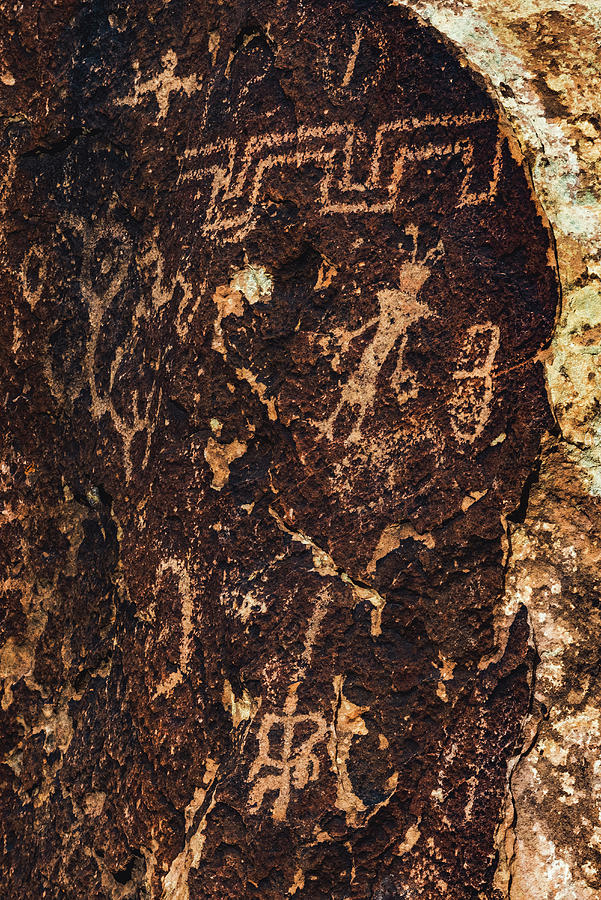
(235, 173)
(399, 309)
(111, 266)
(294, 767)
(470, 404)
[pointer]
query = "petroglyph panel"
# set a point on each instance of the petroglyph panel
(356, 179)
(277, 289)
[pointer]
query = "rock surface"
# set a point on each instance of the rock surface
(541, 58)
(277, 297)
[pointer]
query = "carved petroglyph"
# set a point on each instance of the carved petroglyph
(470, 404)
(178, 568)
(352, 61)
(98, 299)
(297, 763)
(348, 723)
(343, 73)
(162, 85)
(399, 309)
(293, 767)
(106, 255)
(229, 177)
(150, 262)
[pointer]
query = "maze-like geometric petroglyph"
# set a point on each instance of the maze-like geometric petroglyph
(362, 174)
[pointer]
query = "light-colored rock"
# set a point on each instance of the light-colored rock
(541, 58)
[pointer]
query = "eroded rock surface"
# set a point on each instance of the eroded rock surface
(277, 288)
(553, 846)
(542, 59)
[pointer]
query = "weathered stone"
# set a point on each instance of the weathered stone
(542, 59)
(553, 845)
(277, 294)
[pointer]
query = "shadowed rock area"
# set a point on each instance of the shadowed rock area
(275, 291)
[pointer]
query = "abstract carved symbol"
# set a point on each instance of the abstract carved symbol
(235, 174)
(341, 69)
(292, 766)
(470, 403)
(178, 568)
(297, 763)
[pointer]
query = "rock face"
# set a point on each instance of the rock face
(276, 293)
(541, 58)
(551, 848)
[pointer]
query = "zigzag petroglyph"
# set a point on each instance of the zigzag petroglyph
(362, 173)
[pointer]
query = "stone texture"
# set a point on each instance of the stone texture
(541, 58)
(278, 294)
(554, 845)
